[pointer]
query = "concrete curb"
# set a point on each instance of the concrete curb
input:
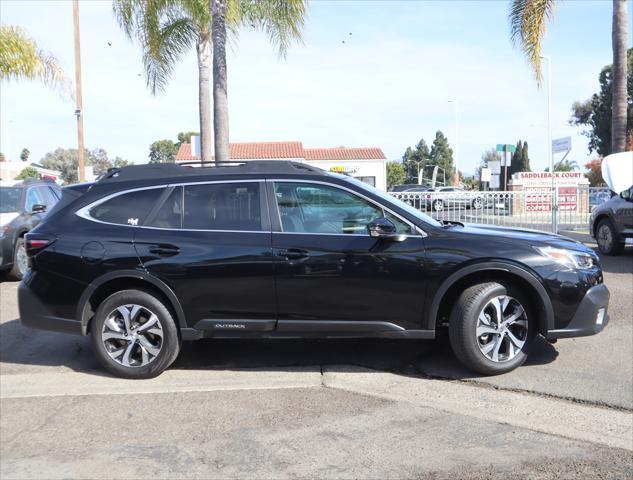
(613, 428)
(170, 381)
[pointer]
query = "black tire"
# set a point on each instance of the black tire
(608, 239)
(463, 326)
(438, 205)
(17, 272)
(477, 204)
(169, 346)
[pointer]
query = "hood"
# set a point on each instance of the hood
(7, 217)
(617, 171)
(533, 237)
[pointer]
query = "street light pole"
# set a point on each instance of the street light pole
(550, 155)
(455, 102)
(79, 109)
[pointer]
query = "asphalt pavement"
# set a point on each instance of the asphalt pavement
(320, 409)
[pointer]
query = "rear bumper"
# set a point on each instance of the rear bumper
(34, 314)
(590, 318)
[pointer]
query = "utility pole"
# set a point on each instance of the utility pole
(550, 155)
(79, 109)
(455, 102)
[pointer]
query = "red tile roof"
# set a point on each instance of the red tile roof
(288, 150)
(344, 153)
(252, 150)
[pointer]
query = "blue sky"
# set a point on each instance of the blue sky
(388, 85)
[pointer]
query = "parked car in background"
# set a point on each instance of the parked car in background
(409, 187)
(23, 204)
(611, 223)
(598, 197)
(152, 255)
(442, 198)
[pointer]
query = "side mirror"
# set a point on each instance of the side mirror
(384, 229)
(38, 208)
(626, 194)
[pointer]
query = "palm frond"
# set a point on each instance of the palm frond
(281, 20)
(165, 31)
(21, 58)
(528, 25)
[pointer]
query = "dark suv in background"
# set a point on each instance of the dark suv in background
(23, 204)
(612, 223)
(151, 255)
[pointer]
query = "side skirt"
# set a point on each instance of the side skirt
(249, 328)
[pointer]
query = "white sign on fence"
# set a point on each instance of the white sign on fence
(494, 180)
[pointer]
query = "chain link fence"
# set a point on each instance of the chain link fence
(525, 209)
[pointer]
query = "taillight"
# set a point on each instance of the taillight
(36, 242)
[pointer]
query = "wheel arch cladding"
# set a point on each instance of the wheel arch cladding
(502, 273)
(113, 282)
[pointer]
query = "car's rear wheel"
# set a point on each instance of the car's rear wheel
(438, 205)
(20, 260)
(491, 328)
(134, 335)
(609, 241)
(478, 203)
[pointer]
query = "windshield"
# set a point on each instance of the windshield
(390, 199)
(9, 199)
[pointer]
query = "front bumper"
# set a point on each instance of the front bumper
(590, 318)
(34, 314)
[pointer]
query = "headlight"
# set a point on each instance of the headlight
(569, 258)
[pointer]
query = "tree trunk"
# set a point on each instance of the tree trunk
(619, 102)
(203, 48)
(220, 94)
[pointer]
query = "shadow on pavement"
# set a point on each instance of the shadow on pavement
(23, 346)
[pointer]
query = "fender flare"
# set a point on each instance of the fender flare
(545, 324)
(83, 312)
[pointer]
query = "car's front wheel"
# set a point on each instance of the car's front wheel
(608, 239)
(134, 334)
(491, 328)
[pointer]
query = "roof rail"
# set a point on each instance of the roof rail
(213, 162)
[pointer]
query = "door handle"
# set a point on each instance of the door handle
(293, 253)
(164, 250)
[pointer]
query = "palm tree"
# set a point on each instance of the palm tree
(281, 20)
(167, 29)
(528, 23)
(21, 58)
(565, 166)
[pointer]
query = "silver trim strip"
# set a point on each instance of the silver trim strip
(418, 230)
(84, 212)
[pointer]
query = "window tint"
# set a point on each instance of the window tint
(313, 208)
(48, 197)
(10, 199)
(33, 197)
(128, 208)
(169, 215)
(222, 206)
(401, 226)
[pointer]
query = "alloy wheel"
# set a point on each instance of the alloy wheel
(502, 329)
(132, 335)
(438, 205)
(21, 259)
(605, 238)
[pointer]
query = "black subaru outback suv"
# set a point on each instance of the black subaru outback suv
(152, 255)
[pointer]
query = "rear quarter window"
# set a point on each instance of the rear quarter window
(128, 208)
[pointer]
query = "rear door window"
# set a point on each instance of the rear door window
(232, 206)
(128, 208)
